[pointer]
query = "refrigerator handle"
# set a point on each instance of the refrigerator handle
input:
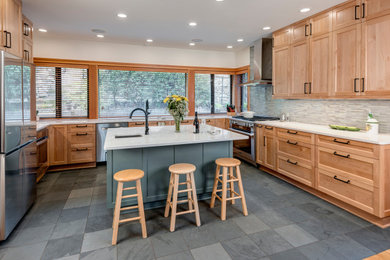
(2, 104)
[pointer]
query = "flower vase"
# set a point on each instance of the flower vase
(177, 125)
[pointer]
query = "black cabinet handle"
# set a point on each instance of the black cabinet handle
(340, 155)
(81, 149)
(81, 134)
(337, 179)
(309, 87)
(363, 10)
(269, 127)
(263, 140)
(306, 25)
(355, 85)
(259, 126)
(356, 12)
(6, 39)
(33, 153)
(288, 141)
(10, 40)
(304, 88)
(26, 29)
(291, 132)
(341, 142)
(26, 55)
(81, 126)
(290, 162)
(311, 29)
(362, 89)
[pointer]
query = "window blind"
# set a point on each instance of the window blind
(62, 92)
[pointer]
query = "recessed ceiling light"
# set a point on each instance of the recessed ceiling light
(192, 24)
(240, 40)
(266, 28)
(42, 30)
(192, 43)
(229, 47)
(122, 15)
(219, 0)
(149, 40)
(305, 10)
(100, 35)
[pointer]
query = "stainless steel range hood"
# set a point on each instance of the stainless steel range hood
(260, 63)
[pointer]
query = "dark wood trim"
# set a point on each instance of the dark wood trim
(93, 93)
(71, 167)
(191, 92)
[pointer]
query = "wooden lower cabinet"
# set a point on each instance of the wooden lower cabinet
(217, 122)
(266, 152)
(58, 145)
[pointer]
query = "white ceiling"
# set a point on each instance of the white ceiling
(166, 21)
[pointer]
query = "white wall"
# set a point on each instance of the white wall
(104, 51)
(242, 57)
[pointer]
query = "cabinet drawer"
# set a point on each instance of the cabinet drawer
(296, 169)
(295, 148)
(186, 122)
(137, 124)
(81, 128)
(348, 189)
(269, 130)
(31, 157)
(362, 168)
(81, 137)
(82, 154)
(349, 146)
(297, 135)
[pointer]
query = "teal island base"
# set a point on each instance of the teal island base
(154, 161)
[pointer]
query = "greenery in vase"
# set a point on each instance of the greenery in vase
(177, 106)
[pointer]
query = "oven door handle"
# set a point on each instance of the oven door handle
(242, 132)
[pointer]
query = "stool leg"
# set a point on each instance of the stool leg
(167, 206)
(195, 198)
(117, 212)
(190, 200)
(243, 201)
(231, 184)
(141, 209)
(174, 202)
(215, 187)
(224, 191)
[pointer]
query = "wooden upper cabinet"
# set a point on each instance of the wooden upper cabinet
(27, 29)
(321, 24)
(375, 8)
(299, 68)
(282, 37)
(281, 71)
(376, 57)
(12, 24)
(320, 68)
(300, 31)
(347, 14)
(27, 51)
(346, 61)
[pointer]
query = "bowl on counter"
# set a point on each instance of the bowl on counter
(248, 114)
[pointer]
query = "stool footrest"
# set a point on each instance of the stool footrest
(234, 198)
(183, 183)
(130, 188)
(218, 197)
(130, 196)
(129, 208)
(185, 212)
(186, 190)
(129, 219)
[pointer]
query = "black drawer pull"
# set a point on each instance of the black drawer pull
(81, 134)
(337, 179)
(269, 127)
(81, 149)
(288, 141)
(33, 153)
(340, 155)
(259, 126)
(356, 13)
(142, 123)
(291, 132)
(341, 142)
(355, 85)
(81, 126)
(290, 162)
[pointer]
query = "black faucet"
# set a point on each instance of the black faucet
(146, 112)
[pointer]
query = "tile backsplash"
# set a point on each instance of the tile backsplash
(323, 112)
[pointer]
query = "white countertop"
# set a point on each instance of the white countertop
(361, 136)
(43, 123)
(166, 136)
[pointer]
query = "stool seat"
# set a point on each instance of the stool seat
(129, 175)
(227, 162)
(182, 168)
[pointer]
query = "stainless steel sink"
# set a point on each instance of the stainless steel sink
(128, 136)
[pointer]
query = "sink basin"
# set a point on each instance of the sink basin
(128, 136)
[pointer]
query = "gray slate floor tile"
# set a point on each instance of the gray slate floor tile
(97, 240)
(168, 244)
(251, 224)
(77, 202)
(295, 235)
(108, 253)
(273, 219)
(72, 257)
(214, 251)
(69, 229)
(62, 247)
(270, 242)
(242, 248)
(33, 235)
(186, 255)
(349, 247)
(135, 249)
(26, 252)
(320, 251)
(199, 236)
(292, 254)
(69, 215)
(97, 223)
(374, 238)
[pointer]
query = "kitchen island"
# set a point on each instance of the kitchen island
(130, 148)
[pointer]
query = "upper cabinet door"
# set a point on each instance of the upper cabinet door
(282, 38)
(27, 29)
(346, 55)
(375, 8)
(12, 27)
(376, 57)
(300, 32)
(347, 14)
(299, 68)
(321, 24)
(320, 69)
(281, 71)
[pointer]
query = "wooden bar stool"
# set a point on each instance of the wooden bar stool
(122, 177)
(173, 191)
(228, 163)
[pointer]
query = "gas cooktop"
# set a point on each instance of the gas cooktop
(256, 118)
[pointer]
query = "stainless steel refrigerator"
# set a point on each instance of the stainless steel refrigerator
(18, 151)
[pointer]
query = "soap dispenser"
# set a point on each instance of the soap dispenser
(372, 125)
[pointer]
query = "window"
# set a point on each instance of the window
(212, 93)
(62, 92)
(242, 78)
(122, 91)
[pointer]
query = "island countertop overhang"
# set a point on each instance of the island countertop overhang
(166, 136)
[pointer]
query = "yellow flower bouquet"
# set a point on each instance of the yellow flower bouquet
(177, 107)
